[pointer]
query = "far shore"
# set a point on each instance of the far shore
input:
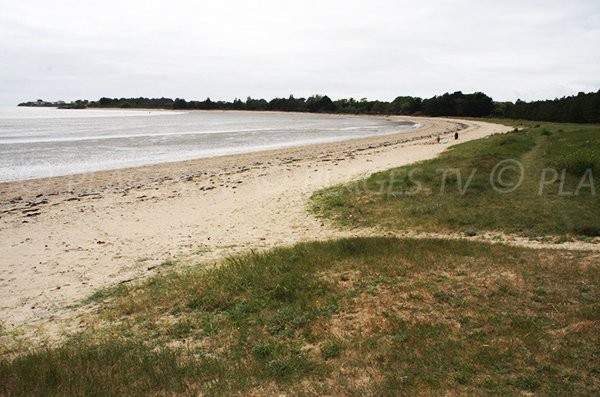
(62, 238)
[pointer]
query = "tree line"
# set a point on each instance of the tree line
(582, 108)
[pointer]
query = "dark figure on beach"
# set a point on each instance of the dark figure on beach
(456, 135)
(438, 139)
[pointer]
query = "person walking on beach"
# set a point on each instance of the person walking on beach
(438, 139)
(455, 135)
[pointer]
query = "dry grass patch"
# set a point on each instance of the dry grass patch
(365, 316)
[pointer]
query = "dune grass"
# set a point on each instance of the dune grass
(364, 316)
(463, 189)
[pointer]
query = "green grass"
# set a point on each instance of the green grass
(419, 196)
(102, 294)
(115, 368)
(365, 316)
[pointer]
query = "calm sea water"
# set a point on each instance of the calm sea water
(43, 142)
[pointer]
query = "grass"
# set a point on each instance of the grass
(454, 192)
(363, 316)
(102, 294)
(79, 368)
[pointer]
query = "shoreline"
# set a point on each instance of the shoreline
(233, 154)
(35, 186)
(66, 237)
(334, 140)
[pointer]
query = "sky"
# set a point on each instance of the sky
(378, 49)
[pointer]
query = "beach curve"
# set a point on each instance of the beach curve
(63, 238)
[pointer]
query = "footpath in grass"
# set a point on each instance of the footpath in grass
(542, 180)
(364, 316)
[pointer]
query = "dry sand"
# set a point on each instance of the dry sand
(62, 238)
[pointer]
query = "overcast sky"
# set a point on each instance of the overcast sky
(225, 49)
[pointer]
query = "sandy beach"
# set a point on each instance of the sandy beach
(63, 238)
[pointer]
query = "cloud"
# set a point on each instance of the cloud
(377, 49)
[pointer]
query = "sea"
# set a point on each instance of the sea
(46, 142)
